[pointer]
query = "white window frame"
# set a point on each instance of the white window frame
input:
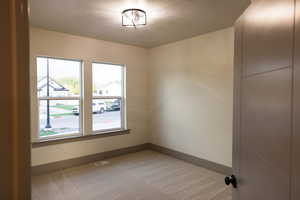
(79, 99)
(85, 101)
(122, 98)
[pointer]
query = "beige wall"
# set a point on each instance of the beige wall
(191, 87)
(48, 43)
(179, 95)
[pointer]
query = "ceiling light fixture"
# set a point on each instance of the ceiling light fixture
(134, 17)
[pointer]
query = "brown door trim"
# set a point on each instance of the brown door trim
(15, 115)
(238, 61)
(295, 147)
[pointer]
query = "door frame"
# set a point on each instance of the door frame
(238, 61)
(15, 145)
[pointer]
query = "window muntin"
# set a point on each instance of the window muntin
(59, 92)
(108, 89)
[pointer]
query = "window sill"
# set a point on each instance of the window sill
(80, 138)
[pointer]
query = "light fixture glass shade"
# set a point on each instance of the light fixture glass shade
(134, 17)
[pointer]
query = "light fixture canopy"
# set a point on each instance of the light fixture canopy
(134, 17)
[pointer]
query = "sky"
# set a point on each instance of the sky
(59, 68)
(105, 73)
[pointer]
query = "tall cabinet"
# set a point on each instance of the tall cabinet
(296, 109)
(267, 101)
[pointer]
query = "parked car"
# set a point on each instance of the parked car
(114, 106)
(75, 110)
(98, 107)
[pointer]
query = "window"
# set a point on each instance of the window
(108, 97)
(63, 105)
(59, 96)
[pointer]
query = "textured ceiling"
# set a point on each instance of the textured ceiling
(168, 20)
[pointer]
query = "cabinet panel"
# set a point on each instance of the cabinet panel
(296, 131)
(265, 136)
(268, 36)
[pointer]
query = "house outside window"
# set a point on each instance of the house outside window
(108, 89)
(63, 103)
(58, 91)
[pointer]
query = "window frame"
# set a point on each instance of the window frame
(85, 103)
(122, 98)
(79, 99)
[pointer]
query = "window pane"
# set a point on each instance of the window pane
(107, 80)
(62, 76)
(41, 68)
(63, 117)
(106, 114)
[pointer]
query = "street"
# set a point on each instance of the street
(69, 123)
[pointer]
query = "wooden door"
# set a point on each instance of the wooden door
(264, 101)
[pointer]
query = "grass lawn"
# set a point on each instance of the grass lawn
(65, 107)
(47, 133)
(61, 114)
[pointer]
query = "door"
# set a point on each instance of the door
(263, 122)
